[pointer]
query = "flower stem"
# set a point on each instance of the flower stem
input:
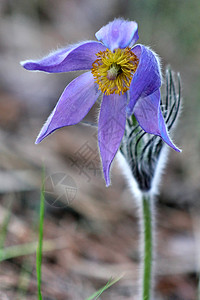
(147, 217)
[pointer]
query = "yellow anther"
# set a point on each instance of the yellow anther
(113, 71)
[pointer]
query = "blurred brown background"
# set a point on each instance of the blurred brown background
(93, 230)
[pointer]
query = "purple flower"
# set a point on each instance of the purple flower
(129, 78)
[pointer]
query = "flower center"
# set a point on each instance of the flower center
(113, 71)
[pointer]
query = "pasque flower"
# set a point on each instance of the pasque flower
(129, 78)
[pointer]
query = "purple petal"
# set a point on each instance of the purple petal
(148, 114)
(118, 34)
(73, 58)
(112, 121)
(147, 78)
(74, 103)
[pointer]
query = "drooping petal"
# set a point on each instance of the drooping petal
(118, 34)
(149, 116)
(74, 103)
(112, 121)
(73, 58)
(147, 78)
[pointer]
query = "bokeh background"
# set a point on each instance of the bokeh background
(90, 231)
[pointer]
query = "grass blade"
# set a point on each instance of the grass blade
(4, 226)
(40, 241)
(96, 295)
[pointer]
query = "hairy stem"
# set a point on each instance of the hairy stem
(147, 219)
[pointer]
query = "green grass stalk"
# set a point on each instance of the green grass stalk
(97, 294)
(4, 226)
(40, 241)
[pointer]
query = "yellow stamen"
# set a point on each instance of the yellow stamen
(113, 71)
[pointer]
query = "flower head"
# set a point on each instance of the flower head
(129, 78)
